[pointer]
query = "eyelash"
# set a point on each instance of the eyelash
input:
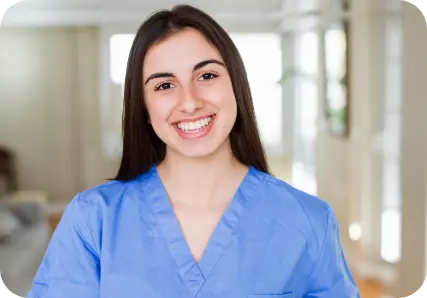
(212, 76)
(157, 88)
(209, 73)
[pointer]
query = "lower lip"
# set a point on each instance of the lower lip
(203, 132)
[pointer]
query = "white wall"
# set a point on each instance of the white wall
(49, 108)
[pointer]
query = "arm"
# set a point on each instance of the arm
(331, 276)
(70, 267)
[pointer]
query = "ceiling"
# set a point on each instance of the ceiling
(80, 12)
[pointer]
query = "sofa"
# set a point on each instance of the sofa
(24, 236)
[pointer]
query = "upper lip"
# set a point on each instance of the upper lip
(193, 119)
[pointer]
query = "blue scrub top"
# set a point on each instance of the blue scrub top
(122, 239)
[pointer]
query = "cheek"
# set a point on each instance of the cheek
(223, 98)
(159, 111)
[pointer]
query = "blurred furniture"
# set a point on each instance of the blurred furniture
(8, 181)
(24, 236)
(54, 213)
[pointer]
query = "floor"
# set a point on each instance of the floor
(369, 288)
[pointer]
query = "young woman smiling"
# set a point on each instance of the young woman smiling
(193, 210)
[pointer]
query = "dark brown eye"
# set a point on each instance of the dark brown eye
(208, 76)
(163, 86)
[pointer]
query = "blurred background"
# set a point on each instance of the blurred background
(339, 88)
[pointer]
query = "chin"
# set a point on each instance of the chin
(197, 151)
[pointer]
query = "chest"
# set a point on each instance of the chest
(197, 225)
(252, 258)
(227, 250)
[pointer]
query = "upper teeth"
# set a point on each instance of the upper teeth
(195, 125)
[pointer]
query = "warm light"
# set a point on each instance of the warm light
(355, 231)
(390, 235)
(303, 179)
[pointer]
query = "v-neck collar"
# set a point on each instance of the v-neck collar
(195, 273)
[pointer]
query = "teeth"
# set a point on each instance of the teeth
(194, 126)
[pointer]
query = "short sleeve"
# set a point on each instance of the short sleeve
(331, 276)
(70, 267)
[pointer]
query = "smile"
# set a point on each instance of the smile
(191, 130)
(192, 127)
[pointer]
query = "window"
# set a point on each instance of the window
(262, 56)
(391, 194)
(304, 153)
(119, 48)
(120, 45)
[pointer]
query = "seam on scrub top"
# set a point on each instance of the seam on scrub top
(302, 207)
(89, 228)
(323, 245)
(281, 183)
(327, 210)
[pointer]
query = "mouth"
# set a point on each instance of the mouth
(195, 129)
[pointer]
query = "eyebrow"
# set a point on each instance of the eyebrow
(171, 75)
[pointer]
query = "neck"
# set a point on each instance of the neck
(196, 181)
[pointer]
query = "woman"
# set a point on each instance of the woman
(193, 211)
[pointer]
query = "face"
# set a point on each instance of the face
(188, 94)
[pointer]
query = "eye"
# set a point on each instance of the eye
(207, 76)
(163, 86)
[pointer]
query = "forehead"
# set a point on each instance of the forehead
(180, 51)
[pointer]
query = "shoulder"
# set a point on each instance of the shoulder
(90, 208)
(94, 204)
(294, 208)
(284, 194)
(109, 193)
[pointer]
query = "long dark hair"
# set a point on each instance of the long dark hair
(142, 148)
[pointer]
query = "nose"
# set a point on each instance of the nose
(191, 101)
